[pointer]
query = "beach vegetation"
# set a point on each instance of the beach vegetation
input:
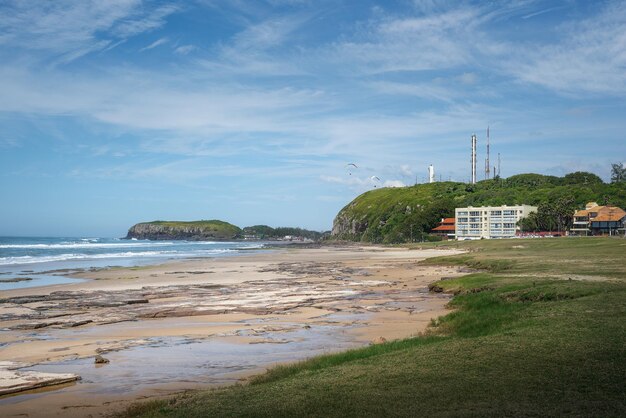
(542, 337)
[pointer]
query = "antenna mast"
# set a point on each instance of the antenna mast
(473, 158)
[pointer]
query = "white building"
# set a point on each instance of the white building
(489, 221)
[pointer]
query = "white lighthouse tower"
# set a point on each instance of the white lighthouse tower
(431, 174)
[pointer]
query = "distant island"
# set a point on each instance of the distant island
(216, 230)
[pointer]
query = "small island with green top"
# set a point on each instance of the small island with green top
(216, 230)
(180, 230)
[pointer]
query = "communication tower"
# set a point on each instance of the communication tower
(473, 158)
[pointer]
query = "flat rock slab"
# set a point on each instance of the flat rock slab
(13, 380)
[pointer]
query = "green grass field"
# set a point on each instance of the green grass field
(539, 331)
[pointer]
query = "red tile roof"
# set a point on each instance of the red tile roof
(604, 213)
(444, 228)
(608, 217)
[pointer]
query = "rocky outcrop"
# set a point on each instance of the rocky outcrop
(13, 380)
(191, 231)
(347, 225)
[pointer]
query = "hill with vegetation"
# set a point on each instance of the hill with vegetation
(213, 230)
(269, 233)
(192, 231)
(395, 215)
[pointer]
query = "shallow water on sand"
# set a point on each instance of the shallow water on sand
(187, 363)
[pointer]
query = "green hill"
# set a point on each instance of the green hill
(393, 215)
(212, 230)
(194, 230)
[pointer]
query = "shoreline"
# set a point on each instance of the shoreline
(301, 301)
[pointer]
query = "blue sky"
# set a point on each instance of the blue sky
(122, 111)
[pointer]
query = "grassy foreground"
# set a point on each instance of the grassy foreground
(541, 331)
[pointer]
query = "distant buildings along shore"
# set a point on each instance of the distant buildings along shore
(493, 222)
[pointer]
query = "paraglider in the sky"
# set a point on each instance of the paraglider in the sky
(350, 167)
(375, 180)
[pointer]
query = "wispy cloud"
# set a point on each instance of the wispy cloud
(424, 90)
(590, 56)
(154, 44)
(143, 21)
(541, 12)
(394, 44)
(184, 49)
(257, 50)
(71, 29)
(215, 106)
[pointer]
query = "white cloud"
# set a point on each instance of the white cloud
(266, 34)
(256, 50)
(541, 12)
(406, 170)
(184, 49)
(468, 78)
(394, 183)
(154, 44)
(144, 21)
(70, 29)
(590, 56)
(207, 108)
(424, 90)
(412, 44)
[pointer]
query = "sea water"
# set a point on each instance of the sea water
(44, 260)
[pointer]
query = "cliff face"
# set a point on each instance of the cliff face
(348, 224)
(191, 231)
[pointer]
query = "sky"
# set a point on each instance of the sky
(123, 111)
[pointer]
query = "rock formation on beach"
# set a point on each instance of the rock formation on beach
(13, 380)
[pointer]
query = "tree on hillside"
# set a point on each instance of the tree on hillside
(581, 177)
(550, 216)
(618, 173)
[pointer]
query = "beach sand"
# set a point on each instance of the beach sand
(212, 321)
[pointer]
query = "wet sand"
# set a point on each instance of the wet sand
(202, 322)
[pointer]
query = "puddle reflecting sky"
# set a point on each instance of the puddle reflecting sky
(175, 360)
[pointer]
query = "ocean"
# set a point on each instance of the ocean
(39, 261)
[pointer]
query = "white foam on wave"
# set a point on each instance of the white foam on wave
(129, 254)
(128, 244)
(83, 245)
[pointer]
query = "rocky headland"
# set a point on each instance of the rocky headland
(191, 231)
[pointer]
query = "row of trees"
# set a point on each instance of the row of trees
(550, 216)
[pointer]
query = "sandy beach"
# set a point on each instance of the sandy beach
(211, 321)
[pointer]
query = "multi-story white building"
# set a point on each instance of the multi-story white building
(489, 221)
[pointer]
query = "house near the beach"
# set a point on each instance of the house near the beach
(488, 222)
(445, 229)
(598, 220)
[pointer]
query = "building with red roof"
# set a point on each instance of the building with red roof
(598, 220)
(445, 229)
